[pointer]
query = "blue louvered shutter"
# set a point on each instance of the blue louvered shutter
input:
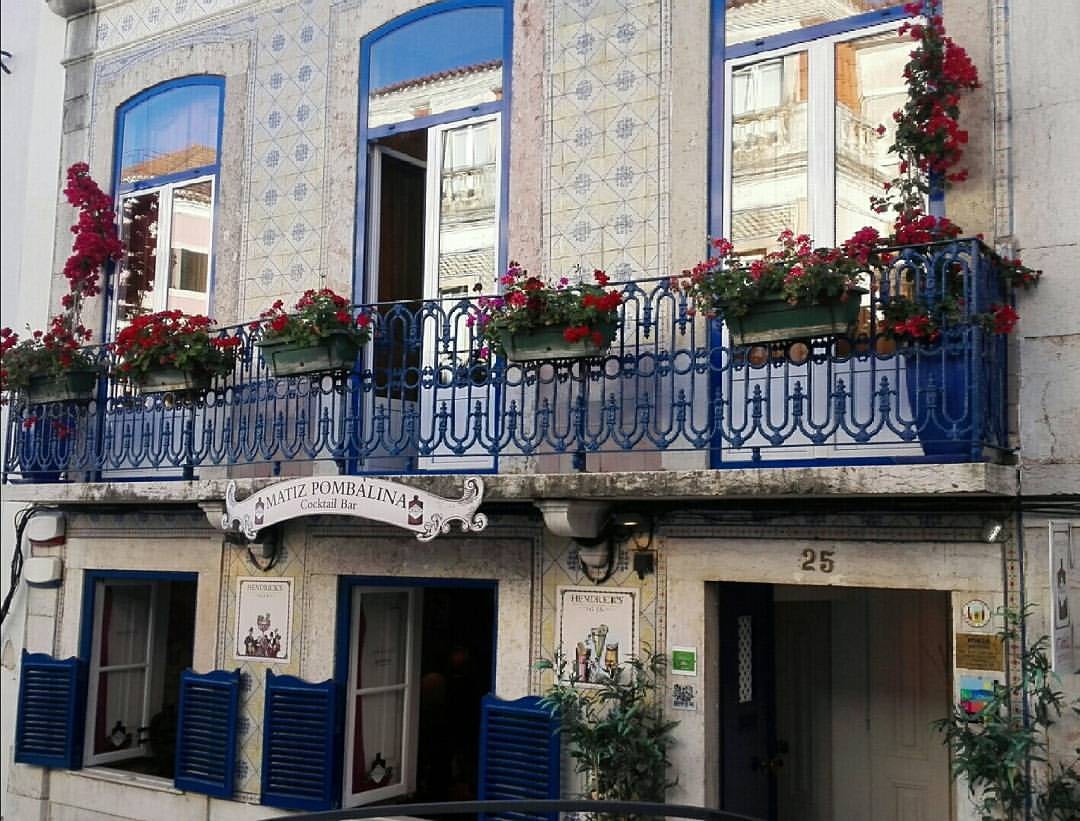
(50, 718)
(206, 732)
(299, 725)
(519, 753)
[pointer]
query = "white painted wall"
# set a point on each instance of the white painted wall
(30, 126)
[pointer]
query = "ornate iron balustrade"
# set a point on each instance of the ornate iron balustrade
(422, 398)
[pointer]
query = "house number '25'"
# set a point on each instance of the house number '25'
(818, 560)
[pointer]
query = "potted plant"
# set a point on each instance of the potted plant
(935, 338)
(320, 336)
(615, 728)
(172, 352)
(1004, 757)
(49, 366)
(534, 321)
(795, 292)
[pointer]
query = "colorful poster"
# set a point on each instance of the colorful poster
(975, 693)
(597, 630)
(263, 619)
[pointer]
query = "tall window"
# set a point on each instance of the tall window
(140, 640)
(806, 85)
(433, 183)
(168, 146)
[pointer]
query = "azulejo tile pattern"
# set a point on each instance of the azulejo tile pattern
(605, 204)
(290, 564)
(287, 160)
(284, 164)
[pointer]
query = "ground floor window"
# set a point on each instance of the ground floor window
(142, 639)
(421, 657)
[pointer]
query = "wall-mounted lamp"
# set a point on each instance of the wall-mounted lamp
(597, 531)
(597, 557)
(992, 530)
(630, 526)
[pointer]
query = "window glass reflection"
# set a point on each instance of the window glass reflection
(746, 20)
(139, 233)
(189, 257)
(768, 151)
(170, 132)
(869, 87)
(440, 63)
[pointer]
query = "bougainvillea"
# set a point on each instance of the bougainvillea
(60, 348)
(929, 143)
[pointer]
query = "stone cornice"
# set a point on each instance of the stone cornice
(968, 480)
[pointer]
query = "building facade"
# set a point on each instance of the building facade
(822, 550)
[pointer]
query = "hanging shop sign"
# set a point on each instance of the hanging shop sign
(381, 500)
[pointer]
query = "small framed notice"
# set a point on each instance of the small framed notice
(263, 619)
(684, 661)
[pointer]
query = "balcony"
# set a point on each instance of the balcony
(671, 394)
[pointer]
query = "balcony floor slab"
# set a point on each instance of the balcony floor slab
(861, 482)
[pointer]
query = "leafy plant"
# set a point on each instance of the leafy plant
(172, 339)
(616, 732)
(797, 272)
(48, 353)
(59, 349)
(1004, 757)
(317, 315)
(528, 303)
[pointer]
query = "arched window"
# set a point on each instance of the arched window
(432, 186)
(432, 141)
(168, 150)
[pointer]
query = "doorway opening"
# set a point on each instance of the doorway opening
(421, 659)
(433, 242)
(827, 696)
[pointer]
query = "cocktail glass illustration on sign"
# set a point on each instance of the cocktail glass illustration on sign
(598, 641)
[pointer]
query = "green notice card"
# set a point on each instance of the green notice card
(684, 661)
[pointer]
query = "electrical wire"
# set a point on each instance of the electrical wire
(21, 520)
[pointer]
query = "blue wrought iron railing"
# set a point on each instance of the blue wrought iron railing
(421, 397)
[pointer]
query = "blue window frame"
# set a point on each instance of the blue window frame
(776, 36)
(431, 198)
(166, 164)
(389, 612)
(424, 73)
(795, 101)
(136, 636)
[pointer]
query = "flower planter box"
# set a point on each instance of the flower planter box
(543, 344)
(776, 320)
(173, 380)
(73, 386)
(336, 352)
